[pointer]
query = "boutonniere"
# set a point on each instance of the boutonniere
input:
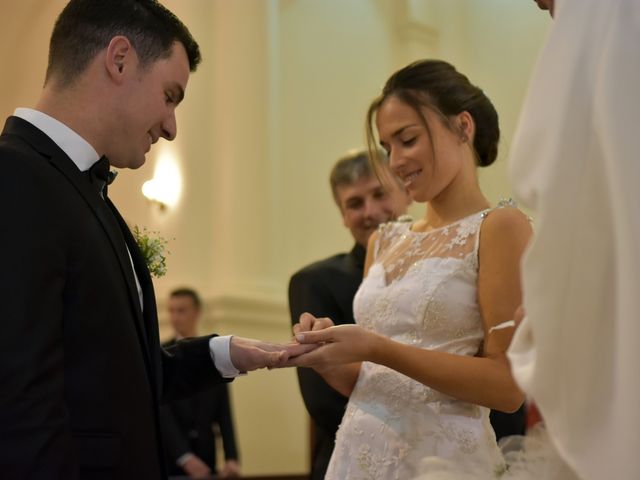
(152, 246)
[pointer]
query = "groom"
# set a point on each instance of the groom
(82, 373)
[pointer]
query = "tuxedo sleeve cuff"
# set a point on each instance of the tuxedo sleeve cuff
(221, 356)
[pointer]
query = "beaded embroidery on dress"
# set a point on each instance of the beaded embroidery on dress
(420, 290)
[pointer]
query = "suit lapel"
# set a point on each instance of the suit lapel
(110, 227)
(116, 238)
(150, 315)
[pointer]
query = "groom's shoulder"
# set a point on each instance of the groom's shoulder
(18, 162)
(17, 155)
(28, 180)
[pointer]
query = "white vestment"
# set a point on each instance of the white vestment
(576, 163)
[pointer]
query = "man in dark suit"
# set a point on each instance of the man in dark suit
(326, 288)
(507, 424)
(82, 373)
(188, 424)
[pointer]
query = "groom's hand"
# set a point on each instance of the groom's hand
(248, 354)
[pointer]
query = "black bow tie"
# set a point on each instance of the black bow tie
(100, 176)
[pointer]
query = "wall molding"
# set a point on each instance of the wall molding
(246, 310)
(235, 312)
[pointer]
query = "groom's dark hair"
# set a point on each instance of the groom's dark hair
(85, 27)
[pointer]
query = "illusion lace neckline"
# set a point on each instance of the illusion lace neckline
(449, 225)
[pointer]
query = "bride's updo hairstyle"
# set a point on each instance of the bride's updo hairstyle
(438, 86)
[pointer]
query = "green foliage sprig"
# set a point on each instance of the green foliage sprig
(152, 246)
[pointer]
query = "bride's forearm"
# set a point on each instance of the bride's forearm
(480, 380)
(341, 378)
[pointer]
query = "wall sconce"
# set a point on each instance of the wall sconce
(166, 185)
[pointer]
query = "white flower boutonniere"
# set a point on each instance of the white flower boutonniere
(152, 247)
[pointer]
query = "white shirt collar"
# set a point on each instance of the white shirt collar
(76, 147)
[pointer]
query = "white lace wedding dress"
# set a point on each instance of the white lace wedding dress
(420, 290)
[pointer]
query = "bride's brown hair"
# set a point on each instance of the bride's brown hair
(438, 86)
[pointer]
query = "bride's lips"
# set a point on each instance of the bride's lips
(408, 178)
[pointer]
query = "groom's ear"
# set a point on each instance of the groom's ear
(120, 59)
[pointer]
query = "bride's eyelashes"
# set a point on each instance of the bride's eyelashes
(408, 142)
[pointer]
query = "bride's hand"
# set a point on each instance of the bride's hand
(342, 344)
(309, 323)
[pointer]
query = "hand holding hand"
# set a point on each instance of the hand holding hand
(248, 354)
(340, 344)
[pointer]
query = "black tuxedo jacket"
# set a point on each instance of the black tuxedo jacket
(325, 289)
(187, 426)
(82, 374)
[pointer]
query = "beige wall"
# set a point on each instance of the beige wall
(280, 95)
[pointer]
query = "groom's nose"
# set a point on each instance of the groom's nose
(169, 127)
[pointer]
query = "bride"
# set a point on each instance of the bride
(426, 360)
